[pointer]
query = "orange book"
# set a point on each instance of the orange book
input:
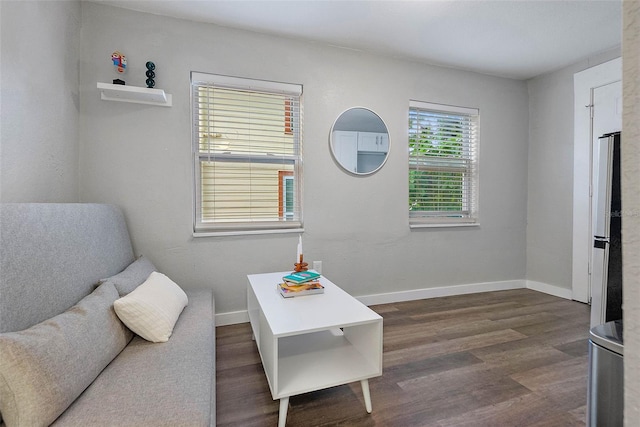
(288, 289)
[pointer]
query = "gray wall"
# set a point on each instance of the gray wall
(139, 157)
(631, 222)
(550, 173)
(40, 101)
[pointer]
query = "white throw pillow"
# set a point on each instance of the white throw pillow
(153, 308)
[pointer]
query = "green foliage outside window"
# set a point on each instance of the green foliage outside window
(437, 164)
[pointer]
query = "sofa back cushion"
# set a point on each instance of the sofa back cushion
(53, 254)
(133, 276)
(44, 368)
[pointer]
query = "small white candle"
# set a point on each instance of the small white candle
(299, 249)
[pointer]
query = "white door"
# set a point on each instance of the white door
(587, 83)
(607, 110)
(607, 118)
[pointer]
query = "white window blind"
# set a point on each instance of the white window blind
(247, 143)
(443, 164)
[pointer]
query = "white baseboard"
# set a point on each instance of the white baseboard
(550, 289)
(232, 318)
(242, 316)
(441, 291)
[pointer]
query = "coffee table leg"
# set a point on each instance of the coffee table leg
(367, 395)
(284, 405)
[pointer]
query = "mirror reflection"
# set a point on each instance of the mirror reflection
(360, 141)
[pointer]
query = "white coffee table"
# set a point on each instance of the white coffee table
(313, 342)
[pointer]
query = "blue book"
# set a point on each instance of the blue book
(301, 276)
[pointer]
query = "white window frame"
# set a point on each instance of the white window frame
(284, 225)
(468, 165)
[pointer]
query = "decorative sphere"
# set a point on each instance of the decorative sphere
(150, 65)
(150, 74)
(151, 83)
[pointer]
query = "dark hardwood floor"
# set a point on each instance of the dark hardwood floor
(507, 358)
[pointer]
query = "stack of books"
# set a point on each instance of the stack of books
(300, 283)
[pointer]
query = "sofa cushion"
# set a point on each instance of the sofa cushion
(132, 276)
(153, 308)
(157, 384)
(53, 254)
(44, 368)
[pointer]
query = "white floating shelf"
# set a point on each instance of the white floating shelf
(138, 95)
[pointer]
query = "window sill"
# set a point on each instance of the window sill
(246, 232)
(448, 225)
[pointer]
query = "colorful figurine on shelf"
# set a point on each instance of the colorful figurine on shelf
(120, 65)
(151, 75)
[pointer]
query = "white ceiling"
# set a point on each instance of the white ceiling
(518, 39)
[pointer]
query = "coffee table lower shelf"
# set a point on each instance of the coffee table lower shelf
(319, 360)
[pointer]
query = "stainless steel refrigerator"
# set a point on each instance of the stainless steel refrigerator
(606, 270)
(605, 386)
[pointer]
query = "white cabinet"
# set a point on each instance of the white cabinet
(360, 152)
(373, 142)
(345, 147)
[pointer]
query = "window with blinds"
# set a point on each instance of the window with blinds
(443, 164)
(247, 143)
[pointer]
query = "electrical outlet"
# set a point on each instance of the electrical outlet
(317, 266)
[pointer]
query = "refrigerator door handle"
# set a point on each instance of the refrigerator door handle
(600, 244)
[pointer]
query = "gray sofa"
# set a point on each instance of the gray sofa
(52, 258)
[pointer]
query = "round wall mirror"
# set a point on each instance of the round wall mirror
(359, 141)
